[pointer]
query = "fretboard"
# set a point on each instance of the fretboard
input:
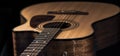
(40, 42)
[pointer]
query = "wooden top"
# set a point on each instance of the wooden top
(97, 11)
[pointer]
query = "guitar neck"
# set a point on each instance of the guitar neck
(40, 42)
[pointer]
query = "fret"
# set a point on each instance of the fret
(40, 33)
(29, 48)
(38, 44)
(36, 51)
(28, 51)
(34, 45)
(25, 54)
(43, 36)
(38, 41)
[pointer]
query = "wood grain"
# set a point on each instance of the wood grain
(104, 32)
(97, 11)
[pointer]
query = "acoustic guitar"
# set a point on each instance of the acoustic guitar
(66, 29)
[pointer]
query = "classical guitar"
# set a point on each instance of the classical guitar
(65, 29)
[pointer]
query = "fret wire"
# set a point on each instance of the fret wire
(39, 48)
(40, 44)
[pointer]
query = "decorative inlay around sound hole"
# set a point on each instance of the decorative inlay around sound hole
(63, 24)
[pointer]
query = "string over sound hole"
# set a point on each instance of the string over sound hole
(61, 25)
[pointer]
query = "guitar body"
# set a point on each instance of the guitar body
(85, 27)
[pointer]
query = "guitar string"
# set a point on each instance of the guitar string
(29, 52)
(67, 17)
(70, 18)
(63, 21)
(56, 24)
(39, 45)
(53, 29)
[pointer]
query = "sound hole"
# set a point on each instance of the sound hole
(61, 25)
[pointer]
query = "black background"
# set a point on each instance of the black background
(10, 18)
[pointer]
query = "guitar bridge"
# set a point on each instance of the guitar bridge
(73, 12)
